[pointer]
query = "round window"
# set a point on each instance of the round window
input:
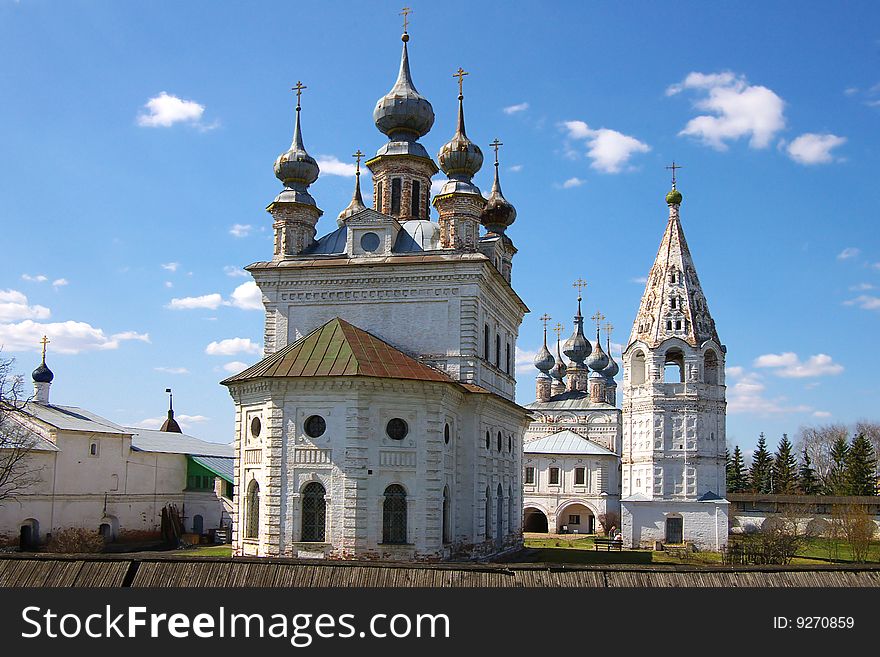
(397, 428)
(256, 427)
(315, 426)
(370, 242)
(446, 434)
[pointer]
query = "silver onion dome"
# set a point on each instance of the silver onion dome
(558, 370)
(460, 158)
(577, 347)
(612, 369)
(598, 360)
(403, 114)
(357, 201)
(498, 213)
(544, 360)
(296, 169)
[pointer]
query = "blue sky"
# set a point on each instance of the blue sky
(138, 142)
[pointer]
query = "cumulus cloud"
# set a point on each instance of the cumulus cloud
(234, 272)
(14, 305)
(59, 282)
(68, 337)
(609, 150)
(209, 301)
(813, 148)
(436, 186)
(184, 421)
(748, 395)
(232, 347)
(514, 109)
(247, 296)
(525, 361)
(861, 287)
(235, 367)
(240, 230)
(848, 252)
(865, 302)
(164, 110)
(788, 365)
(39, 278)
(172, 370)
(331, 165)
(573, 182)
(735, 110)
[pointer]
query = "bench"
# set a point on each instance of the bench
(608, 543)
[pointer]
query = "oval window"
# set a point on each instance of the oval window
(488, 440)
(315, 426)
(370, 242)
(256, 427)
(397, 428)
(499, 441)
(446, 434)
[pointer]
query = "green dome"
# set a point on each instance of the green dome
(673, 197)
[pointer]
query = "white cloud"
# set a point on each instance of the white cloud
(822, 414)
(747, 395)
(68, 337)
(609, 150)
(39, 278)
(59, 282)
(788, 365)
(184, 421)
(172, 370)
(734, 371)
(331, 166)
(865, 302)
(171, 266)
(848, 252)
(241, 230)
(525, 361)
(735, 109)
(169, 284)
(513, 109)
(209, 301)
(247, 296)
(14, 305)
(861, 287)
(232, 347)
(812, 148)
(515, 168)
(235, 367)
(436, 186)
(165, 110)
(573, 182)
(641, 280)
(229, 270)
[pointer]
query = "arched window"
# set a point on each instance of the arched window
(446, 434)
(394, 515)
(497, 350)
(512, 522)
(510, 443)
(637, 368)
(710, 368)
(252, 511)
(488, 513)
(508, 358)
(499, 516)
(486, 342)
(498, 441)
(673, 370)
(416, 199)
(395, 196)
(314, 513)
(488, 440)
(445, 534)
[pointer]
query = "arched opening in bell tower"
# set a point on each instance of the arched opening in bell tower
(673, 366)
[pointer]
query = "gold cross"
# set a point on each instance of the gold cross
(580, 284)
(495, 144)
(545, 318)
(405, 13)
(298, 88)
(609, 327)
(460, 73)
(598, 317)
(674, 166)
(44, 342)
(358, 155)
(558, 330)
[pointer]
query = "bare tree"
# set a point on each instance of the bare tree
(857, 527)
(817, 442)
(17, 473)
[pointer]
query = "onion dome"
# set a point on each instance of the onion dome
(170, 425)
(612, 369)
(577, 348)
(598, 360)
(296, 168)
(544, 360)
(673, 197)
(42, 374)
(460, 158)
(498, 213)
(357, 201)
(558, 370)
(403, 114)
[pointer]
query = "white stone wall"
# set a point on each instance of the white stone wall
(705, 524)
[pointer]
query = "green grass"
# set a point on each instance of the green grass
(204, 551)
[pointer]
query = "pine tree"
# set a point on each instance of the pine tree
(808, 484)
(836, 483)
(784, 480)
(861, 466)
(737, 479)
(761, 471)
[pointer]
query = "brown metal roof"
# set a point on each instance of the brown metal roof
(340, 349)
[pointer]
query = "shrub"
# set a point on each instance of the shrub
(76, 540)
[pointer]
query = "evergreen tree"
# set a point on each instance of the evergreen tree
(808, 484)
(784, 468)
(737, 478)
(861, 466)
(761, 471)
(836, 483)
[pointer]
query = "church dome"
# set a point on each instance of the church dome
(403, 113)
(296, 168)
(425, 233)
(559, 370)
(42, 374)
(498, 213)
(612, 368)
(357, 202)
(598, 360)
(673, 197)
(460, 156)
(544, 360)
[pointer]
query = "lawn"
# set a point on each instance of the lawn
(203, 551)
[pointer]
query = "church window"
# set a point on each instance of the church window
(488, 440)
(669, 325)
(507, 360)
(574, 519)
(678, 325)
(673, 369)
(370, 242)
(486, 342)
(93, 449)
(554, 476)
(416, 199)
(446, 434)
(580, 476)
(511, 510)
(397, 428)
(256, 427)
(530, 475)
(710, 368)
(394, 515)
(509, 443)
(499, 441)
(488, 513)
(314, 513)
(637, 369)
(252, 511)
(315, 426)
(445, 514)
(379, 196)
(672, 302)
(497, 350)
(395, 196)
